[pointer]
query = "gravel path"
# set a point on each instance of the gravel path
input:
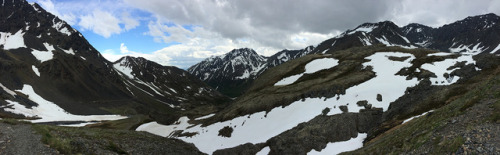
(20, 139)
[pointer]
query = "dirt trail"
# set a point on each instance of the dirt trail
(20, 139)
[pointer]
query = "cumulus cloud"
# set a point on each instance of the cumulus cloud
(102, 23)
(270, 23)
(437, 13)
(104, 17)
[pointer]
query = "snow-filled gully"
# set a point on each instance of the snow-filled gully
(48, 111)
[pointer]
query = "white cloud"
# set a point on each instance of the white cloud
(48, 5)
(104, 17)
(101, 22)
(437, 13)
(129, 22)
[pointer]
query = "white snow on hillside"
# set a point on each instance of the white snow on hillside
(7, 90)
(250, 128)
(42, 55)
(127, 71)
(264, 151)
(35, 70)
(467, 49)
(311, 67)
(339, 147)
(204, 117)
(411, 118)
(496, 49)
(12, 41)
(366, 29)
(48, 111)
(440, 68)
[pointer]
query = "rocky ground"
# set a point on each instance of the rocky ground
(19, 138)
(25, 138)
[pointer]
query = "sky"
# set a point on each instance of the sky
(183, 32)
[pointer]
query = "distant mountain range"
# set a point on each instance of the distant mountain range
(475, 34)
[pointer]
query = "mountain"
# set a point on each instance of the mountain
(49, 71)
(170, 85)
(475, 34)
(231, 72)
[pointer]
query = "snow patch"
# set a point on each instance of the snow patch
(264, 151)
(42, 55)
(311, 67)
(411, 118)
(440, 68)
(496, 49)
(440, 54)
(12, 41)
(204, 117)
(35, 70)
(339, 147)
(366, 29)
(466, 48)
(124, 69)
(48, 111)
(7, 90)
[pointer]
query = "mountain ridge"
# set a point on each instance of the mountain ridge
(414, 35)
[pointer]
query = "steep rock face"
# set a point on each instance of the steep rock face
(418, 34)
(287, 55)
(474, 34)
(230, 73)
(44, 52)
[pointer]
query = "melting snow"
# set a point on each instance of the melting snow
(439, 68)
(250, 128)
(204, 117)
(35, 70)
(50, 112)
(264, 151)
(496, 49)
(411, 118)
(366, 29)
(440, 54)
(8, 90)
(12, 41)
(311, 67)
(70, 51)
(465, 48)
(339, 147)
(42, 56)
(124, 69)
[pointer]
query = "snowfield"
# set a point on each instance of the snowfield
(440, 68)
(12, 41)
(48, 111)
(339, 147)
(311, 67)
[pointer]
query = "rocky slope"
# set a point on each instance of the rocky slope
(230, 73)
